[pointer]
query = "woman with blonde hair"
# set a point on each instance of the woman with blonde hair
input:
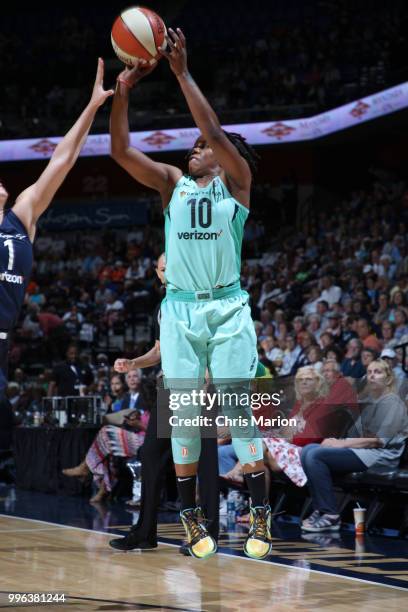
(283, 452)
(378, 440)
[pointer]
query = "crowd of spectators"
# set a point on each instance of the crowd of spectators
(336, 288)
(286, 59)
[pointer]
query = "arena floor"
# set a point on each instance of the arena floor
(55, 544)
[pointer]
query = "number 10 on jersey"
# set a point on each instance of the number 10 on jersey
(204, 212)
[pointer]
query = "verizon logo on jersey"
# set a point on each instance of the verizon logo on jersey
(16, 279)
(199, 235)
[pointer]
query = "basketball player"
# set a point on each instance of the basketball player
(206, 319)
(18, 221)
(154, 454)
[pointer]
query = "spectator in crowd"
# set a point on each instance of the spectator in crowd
(310, 306)
(314, 326)
(118, 272)
(48, 320)
(306, 341)
(111, 441)
(102, 292)
(330, 294)
(326, 341)
(387, 267)
(136, 397)
(387, 333)
(277, 353)
(73, 320)
(398, 302)
(383, 312)
(334, 352)
(291, 356)
(348, 324)
(376, 439)
(36, 298)
(13, 394)
(352, 365)
(322, 310)
(298, 328)
(334, 327)
(367, 336)
(31, 327)
(367, 356)
(390, 356)
(341, 401)
(401, 327)
(314, 357)
(283, 452)
(118, 397)
(70, 377)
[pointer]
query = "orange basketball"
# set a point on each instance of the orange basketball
(137, 34)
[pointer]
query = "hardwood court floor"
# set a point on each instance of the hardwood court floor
(48, 558)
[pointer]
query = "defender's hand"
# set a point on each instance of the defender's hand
(99, 94)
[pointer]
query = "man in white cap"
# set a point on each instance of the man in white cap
(389, 355)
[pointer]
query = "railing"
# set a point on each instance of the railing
(72, 411)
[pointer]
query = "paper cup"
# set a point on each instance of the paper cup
(359, 519)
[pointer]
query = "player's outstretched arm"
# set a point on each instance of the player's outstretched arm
(34, 200)
(161, 177)
(149, 359)
(235, 166)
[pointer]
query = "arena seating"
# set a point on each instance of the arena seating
(291, 59)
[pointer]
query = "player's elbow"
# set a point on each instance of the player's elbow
(116, 151)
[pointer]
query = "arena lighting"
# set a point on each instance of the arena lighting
(270, 132)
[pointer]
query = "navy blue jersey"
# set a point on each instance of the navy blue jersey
(16, 261)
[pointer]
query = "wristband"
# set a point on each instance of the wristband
(124, 82)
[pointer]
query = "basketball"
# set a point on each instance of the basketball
(138, 33)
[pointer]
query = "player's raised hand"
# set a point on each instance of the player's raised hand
(122, 365)
(176, 52)
(99, 94)
(132, 74)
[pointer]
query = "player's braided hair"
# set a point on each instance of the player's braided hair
(244, 149)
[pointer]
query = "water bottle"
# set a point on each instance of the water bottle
(136, 468)
(37, 418)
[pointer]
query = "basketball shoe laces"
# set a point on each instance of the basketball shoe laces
(260, 526)
(194, 520)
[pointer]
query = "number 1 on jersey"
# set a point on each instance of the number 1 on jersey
(9, 244)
